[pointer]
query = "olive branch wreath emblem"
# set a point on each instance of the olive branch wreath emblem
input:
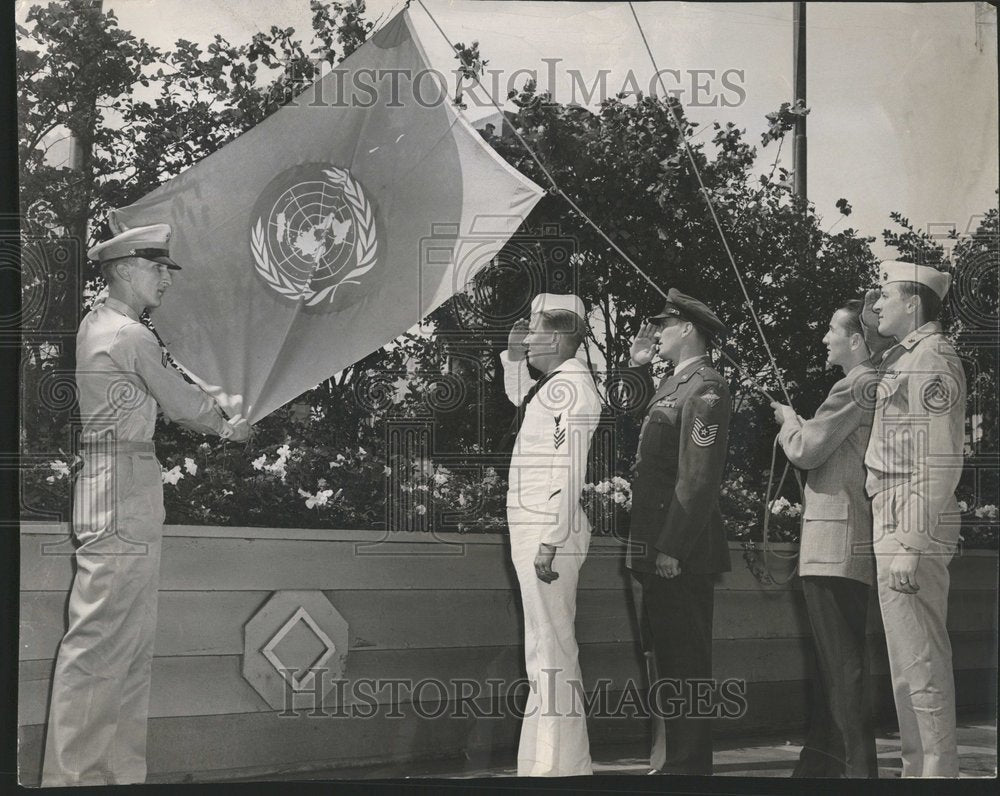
(365, 245)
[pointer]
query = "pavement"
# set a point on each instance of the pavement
(774, 757)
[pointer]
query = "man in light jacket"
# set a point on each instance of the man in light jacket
(836, 565)
(549, 532)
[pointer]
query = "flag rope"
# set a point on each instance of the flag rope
(711, 208)
(579, 211)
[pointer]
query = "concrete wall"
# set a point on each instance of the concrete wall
(422, 606)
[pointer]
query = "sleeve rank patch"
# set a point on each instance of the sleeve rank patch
(703, 434)
(559, 434)
(936, 397)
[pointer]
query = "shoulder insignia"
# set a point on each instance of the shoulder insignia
(666, 403)
(935, 396)
(711, 398)
(559, 433)
(703, 434)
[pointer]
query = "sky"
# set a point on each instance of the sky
(902, 96)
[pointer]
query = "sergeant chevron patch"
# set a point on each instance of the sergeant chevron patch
(703, 434)
(559, 435)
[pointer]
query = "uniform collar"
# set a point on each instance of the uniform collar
(680, 375)
(571, 365)
(918, 334)
(120, 307)
(684, 363)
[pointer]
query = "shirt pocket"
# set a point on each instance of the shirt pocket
(892, 396)
(825, 530)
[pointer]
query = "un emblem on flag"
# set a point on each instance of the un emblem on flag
(312, 232)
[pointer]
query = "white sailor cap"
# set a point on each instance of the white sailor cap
(151, 243)
(898, 271)
(547, 302)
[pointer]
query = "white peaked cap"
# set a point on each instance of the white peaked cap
(898, 271)
(547, 302)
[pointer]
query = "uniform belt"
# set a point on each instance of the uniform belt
(120, 446)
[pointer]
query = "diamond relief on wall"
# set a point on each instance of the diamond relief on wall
(294, 637)
(308, 664)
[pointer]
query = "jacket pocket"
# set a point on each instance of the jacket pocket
(825, 530)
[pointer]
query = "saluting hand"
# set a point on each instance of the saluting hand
(516, 348)
(644, 346)
(543, 563)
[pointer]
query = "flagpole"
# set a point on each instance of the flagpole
(799, 77)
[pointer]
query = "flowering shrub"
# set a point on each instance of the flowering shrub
(278, 485)
(607, 504)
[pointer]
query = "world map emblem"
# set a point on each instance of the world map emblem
(312, 232)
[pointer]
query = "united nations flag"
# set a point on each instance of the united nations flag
(330, 228)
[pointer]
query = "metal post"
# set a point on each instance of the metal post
(799, 73)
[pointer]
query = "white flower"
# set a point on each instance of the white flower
(963, 506)
(283, 451)
(986, 512)
(620, 483)
(321, 483)
(319, 499)
(259, 462)
(387, 470)
(421, 509)
(462, 499)
(440, 478)
(620, 497)
(588, 487)
(780, 506)
(422, 487)
(362, 451)
(603, 488)
(171, 476)
(190, 466)
(59, 469)
(205, 447)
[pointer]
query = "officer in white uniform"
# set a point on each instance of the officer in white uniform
(914, 462)
(549, 533)
(100, 691)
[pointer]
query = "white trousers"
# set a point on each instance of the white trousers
(100, 690)
(916, 637)
(554, 740)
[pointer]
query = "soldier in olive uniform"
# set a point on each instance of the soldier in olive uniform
(677, 540)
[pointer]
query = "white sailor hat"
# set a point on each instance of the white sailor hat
(547, 302)
(898, 271)
(150, 243)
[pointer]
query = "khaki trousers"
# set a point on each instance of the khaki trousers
(916, 636)
(100, 690)
(554, 741)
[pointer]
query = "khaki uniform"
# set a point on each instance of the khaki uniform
(547, 472)
(914, 462)
(100, 692)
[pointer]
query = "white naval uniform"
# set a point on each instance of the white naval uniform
(100, 689)
(547, 471)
